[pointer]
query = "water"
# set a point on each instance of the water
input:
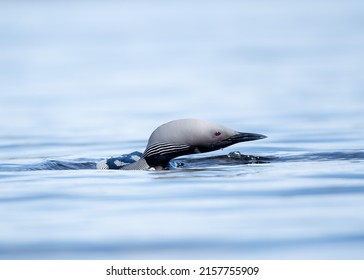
(81, 81)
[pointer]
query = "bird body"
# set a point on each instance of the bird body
(183, 137)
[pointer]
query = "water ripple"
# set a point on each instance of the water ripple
(198, 163)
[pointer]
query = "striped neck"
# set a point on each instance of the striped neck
(164, 148)
(159, 154)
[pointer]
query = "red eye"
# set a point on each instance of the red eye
(217, 133)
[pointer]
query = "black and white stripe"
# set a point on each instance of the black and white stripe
(164, 148)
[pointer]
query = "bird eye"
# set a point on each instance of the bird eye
(217, 133)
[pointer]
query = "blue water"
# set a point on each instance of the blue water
(82, 81)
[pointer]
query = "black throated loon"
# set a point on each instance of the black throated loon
(183, 137)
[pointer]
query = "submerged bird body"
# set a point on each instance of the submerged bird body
(184, 137)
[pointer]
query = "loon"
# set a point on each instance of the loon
(181, 137)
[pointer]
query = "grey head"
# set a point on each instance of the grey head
(187, 136)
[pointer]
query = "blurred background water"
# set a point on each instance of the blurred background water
(84, 80)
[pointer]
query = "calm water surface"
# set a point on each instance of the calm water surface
(81, 81)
